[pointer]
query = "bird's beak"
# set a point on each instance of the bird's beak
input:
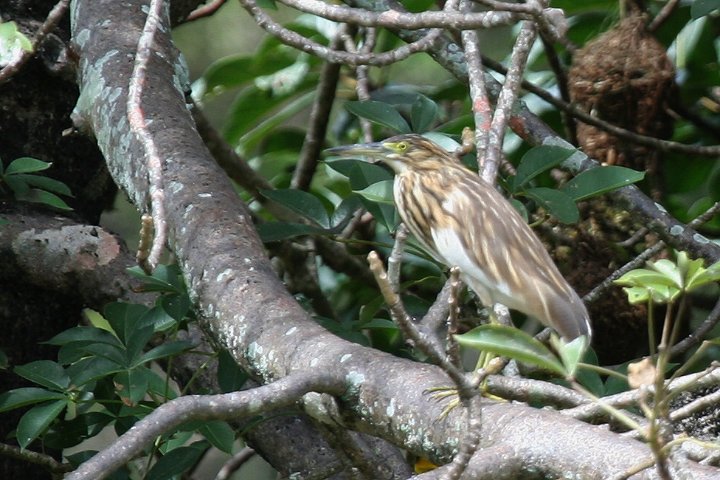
(368, 151)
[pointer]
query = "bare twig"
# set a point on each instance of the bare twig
(56, 13)
(319, 117)
(235, 463)
(45, 461)
(206, 10)
(139, 126)
(565, 107)
(596, 292)
(395, 258)
(482, 111)
(507, 99)
(296, 40)
(183, 409)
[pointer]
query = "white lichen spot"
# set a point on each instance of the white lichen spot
(701, 238)
(225, 274)
(254, 350)
(661, 208)
(314, 362)
(291, 331)
(175, 187)
(677, 230)
(390, 410)
(205, 195)
(345, 357)
(355, 378)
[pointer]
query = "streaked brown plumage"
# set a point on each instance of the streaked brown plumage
(463, 221)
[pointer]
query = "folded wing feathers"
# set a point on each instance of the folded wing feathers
(482, 234)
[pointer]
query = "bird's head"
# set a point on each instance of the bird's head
(401, 152)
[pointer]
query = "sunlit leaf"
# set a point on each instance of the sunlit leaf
(600, 180)
(380, 113)
(513, 343)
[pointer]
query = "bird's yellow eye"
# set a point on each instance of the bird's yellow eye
(402, 146)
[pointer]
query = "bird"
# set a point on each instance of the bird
(462, 221)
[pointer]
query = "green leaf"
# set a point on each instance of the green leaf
(237, 70)
(303, 203)
(380, 192)
(159, 318)
(177, 461)
(123, 318)
(44, 183)
(703, 276)
(384, 213)
(21, 397)
(231, 377)
(556, 202)
(37, 420)
(248, 140)
(510, 342)
(380, 113)
(361, 174)
(165, 279)
(46, 373)
(175, 305)
(643, 277)
(277, 231)
(219, 434)
(91, 369)
(423, 114)
(589, 377)
(538, 160)
(84, 335)
(700, 8)
(13, 42)
(116, 355)
(137, 342)
(669, 270)
(132, 385)
(571, 353)
(599, 180)
(345, 211)
(165, 350)
(35, 195)
(26, 165)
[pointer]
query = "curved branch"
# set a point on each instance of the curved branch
(296, 40)
(189, 408)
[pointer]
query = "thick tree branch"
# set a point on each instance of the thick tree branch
(228, 406)
(247, 309)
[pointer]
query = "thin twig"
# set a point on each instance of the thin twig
(482, 112)
(506, 100)
(395, 258)
(55, 15)
(630, 136)
(206, 10)
(139, 126)
(404, 321)
(235, 463)
(596, 292)
(319, 118)
(300, 42)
